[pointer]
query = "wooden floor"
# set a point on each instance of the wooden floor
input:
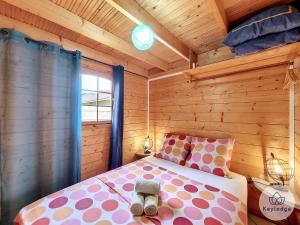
(253, 220)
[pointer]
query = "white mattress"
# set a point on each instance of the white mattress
(236, 185)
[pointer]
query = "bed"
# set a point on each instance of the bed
(187, 197)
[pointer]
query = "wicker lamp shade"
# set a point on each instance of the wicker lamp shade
(279, 170)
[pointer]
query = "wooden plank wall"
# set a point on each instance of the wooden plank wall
(250, 106)
(95, 149)
(297, 139)
(135, 115)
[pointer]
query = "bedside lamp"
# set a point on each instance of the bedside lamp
(279, 170)
(148, 144)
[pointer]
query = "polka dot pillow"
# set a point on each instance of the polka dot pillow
(175, 148)
(210, 155)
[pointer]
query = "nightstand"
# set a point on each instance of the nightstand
(254, 191)
(141, 154)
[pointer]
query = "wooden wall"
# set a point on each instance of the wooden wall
(297, 139)
(135, 115)
(250, 106)
(95, 149)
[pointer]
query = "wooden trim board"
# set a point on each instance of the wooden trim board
(271, 57)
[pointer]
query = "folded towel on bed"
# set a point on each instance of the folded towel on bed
(137, 204)
(147, 187)
(151, 205)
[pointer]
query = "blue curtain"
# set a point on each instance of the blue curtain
(40, 119)
(116, 146)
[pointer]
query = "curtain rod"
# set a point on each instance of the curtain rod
(98, 61)
(107, 64)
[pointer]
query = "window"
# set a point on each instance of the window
(96, 93)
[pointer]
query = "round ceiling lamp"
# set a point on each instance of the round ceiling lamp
(142, 37)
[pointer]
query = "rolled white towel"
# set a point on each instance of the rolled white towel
(147, 187)
(151, 205)
(137, 204)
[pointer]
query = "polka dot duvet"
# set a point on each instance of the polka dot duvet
(105, 200)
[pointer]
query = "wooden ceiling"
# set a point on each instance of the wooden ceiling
(183, 26)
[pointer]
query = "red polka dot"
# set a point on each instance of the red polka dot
(190, 188)
(182, 162)
(200, 203)
(211, 221)
(210, 188)
(128, 187)
(187, 147)
(155, 221)
(58, 202)
(42, 221)
(172, 142)
(182, 137)
(168, 150)
(147, 168)
(182, 221)
(84, 203)
(195, 166)
(211, 140)
(165, 213)
(110, 205)
(148, 176)
(218, 172)
(168, 135)
(189, 157)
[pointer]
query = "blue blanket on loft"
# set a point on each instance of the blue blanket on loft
(268, 41)
(275, 20)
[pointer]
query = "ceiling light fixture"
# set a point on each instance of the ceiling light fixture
(142, 37)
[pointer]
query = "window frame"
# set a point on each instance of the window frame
(104, 76)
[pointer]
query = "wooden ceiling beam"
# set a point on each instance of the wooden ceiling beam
(58, 15)
(219, 14)
(132, 10)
